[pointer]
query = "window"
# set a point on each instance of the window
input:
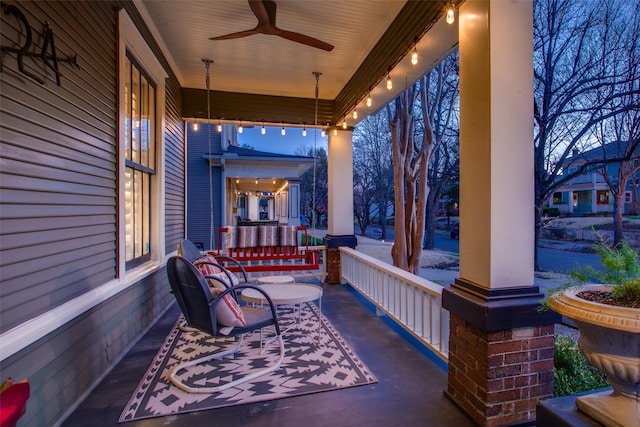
(603, 197)
(627, 196)
(141, 165)
(139, 148)
(557, 198)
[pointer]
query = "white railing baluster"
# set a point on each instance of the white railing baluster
(411, 301)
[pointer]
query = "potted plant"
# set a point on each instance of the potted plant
(608, 318)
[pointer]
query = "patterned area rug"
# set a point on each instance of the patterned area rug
(309, 366)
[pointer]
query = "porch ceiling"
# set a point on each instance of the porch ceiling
(264, 78)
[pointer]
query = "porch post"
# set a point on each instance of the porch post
(340, 200)
(501, 348)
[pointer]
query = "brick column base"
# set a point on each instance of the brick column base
(333, 265)
(498, 377)
(500, 352)
(333, 244)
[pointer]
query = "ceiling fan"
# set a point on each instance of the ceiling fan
(265, 11)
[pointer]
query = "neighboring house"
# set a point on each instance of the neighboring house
(245, 185)
(589, 192)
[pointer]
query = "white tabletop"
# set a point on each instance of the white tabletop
(294, 293)
(275, 280)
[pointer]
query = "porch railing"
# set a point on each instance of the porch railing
(411, 301)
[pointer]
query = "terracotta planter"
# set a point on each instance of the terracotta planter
(610, 341)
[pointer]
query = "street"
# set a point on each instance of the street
(552, 260)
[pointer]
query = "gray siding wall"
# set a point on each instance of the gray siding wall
(58, 203)
(198, 205)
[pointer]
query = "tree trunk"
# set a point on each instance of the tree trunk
(618, 202)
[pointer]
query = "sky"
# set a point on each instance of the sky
(274, 142)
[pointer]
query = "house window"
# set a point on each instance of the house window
(603, 197)
(141, 165)
(627, 196)
(557, 198)
(139, 149)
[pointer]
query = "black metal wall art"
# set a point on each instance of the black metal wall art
(24, 46)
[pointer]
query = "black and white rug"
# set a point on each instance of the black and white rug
(309, 366)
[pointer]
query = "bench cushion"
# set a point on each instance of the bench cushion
(268, 235)
(288, 235)
(247, 237)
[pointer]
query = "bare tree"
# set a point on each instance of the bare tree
(411, 152)
(373, 170)
(440, 102)
(321, 191)
(575, 86)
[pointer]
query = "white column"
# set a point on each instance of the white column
(496, 143)
(340, 183)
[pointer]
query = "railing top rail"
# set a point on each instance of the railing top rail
(409, 278)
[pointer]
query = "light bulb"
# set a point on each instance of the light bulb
(414, 56)
(219, 127)
(389, 82)
(274, 182)
(237, 180)
(240, 130)
(195, 126)
(323, 133)
(256, 180)
(355, 114)
(344, 123)
(369, 101)
(304, 131)
(263, 130)
(451, 17)
(283, 132)
(335, 132)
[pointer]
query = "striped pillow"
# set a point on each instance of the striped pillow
(247, 237)
(268, 235)
(288, 235)
(231, 238)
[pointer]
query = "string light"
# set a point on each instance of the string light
(240, 129)
(451, 17)
(344, 123)
(237, 180)
(414, 56)
(283, 132)
(369, 100)
(304, 131)
(263, 130)
(389, 82)
(355, 113)
(219, 126)
(335, 131)
(323, 133)
(195, 126)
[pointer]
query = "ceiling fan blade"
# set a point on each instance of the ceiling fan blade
(237, 35)
(307, 40)
(265, 11)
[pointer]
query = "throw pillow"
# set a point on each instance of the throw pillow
(228, 312)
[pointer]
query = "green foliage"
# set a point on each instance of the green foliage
(571, 372)
(555, 212)
(622, 268)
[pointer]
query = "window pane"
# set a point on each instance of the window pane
(128, 213)
(127, 110)
(135, 114)
(152, 127)
(138, 206)
(146, 194)
(144, 122)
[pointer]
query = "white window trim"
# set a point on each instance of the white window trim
(32, 330)
(131, 41)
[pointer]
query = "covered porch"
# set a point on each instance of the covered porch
(92, 316)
